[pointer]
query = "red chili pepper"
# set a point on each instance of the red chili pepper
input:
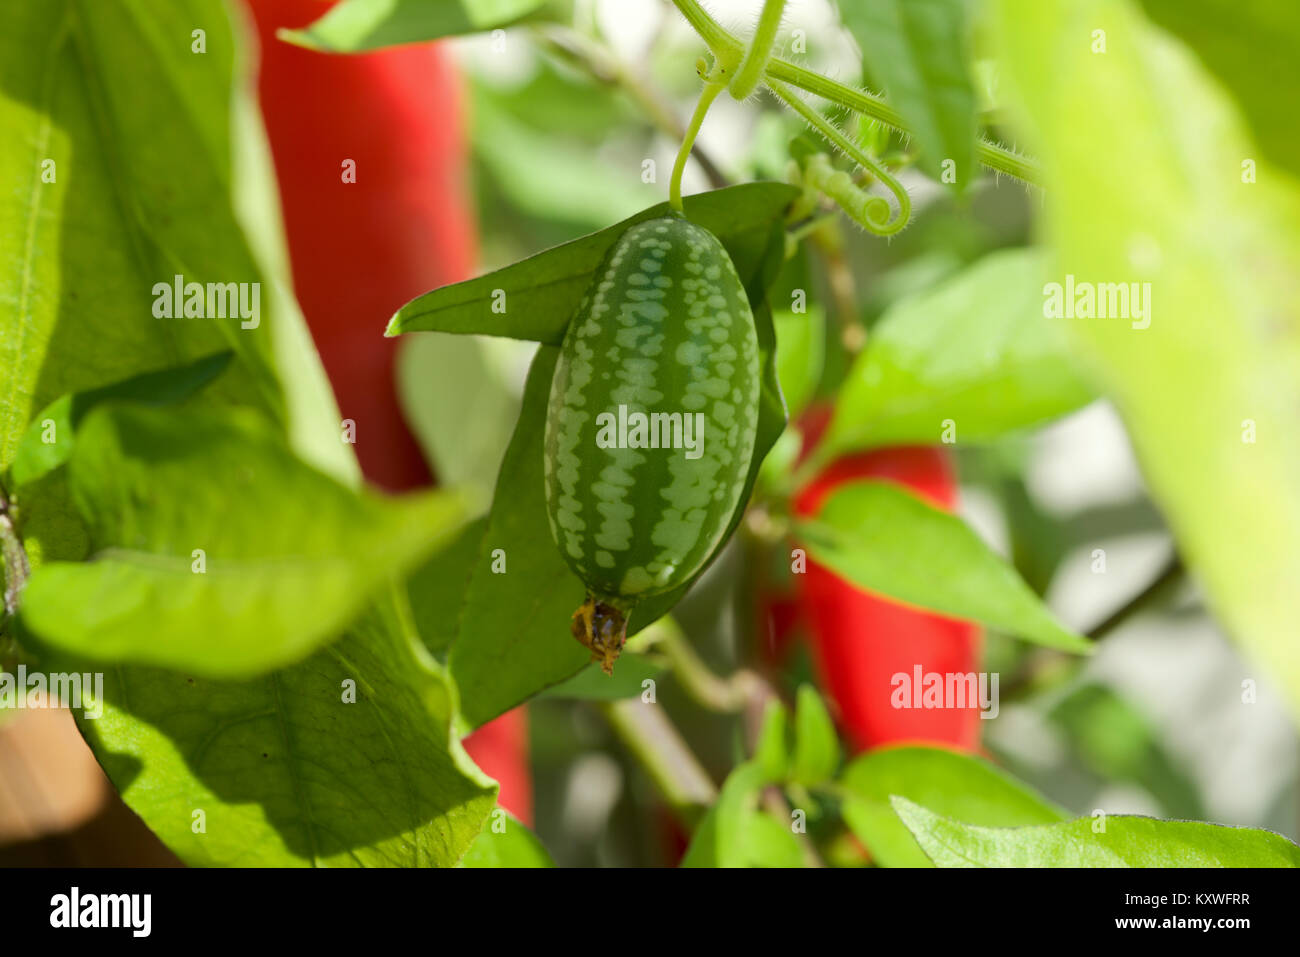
(861, 641)
(361, 249)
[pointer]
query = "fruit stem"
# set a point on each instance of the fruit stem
(710, 92)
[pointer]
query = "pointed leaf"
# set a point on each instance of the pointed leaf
(975, 350)
(957, 785)
(215, 550)
(540, 294)
(345, 759)
(918, 50)
(1127, 841)
(888, 541)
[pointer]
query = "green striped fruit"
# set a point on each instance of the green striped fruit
(651, 422)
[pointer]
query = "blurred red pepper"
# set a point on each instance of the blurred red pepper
(860, 641)
(361, 249)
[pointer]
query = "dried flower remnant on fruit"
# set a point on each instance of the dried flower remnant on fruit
(602, 629)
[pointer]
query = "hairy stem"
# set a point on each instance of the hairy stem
(753, 66)
(724, 45)
(870, 211)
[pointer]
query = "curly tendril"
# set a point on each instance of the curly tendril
(731, 50)
(871, 212)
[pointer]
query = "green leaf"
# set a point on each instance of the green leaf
(506, 842)
(1208, 389)
(354, 26)
(1251, 48)
(513, 632)
(951, 783)
(513, 635)
(286, 770)
(769, 842)
(772, 752)
(58, 420)
(735, 833)
(888, 541)
(1128, 841)
(800, 354)
(974, 349)
(437, 587)
(816, 747)
(290, 556)
(918, 50)
(88, 237)
(542, 293)
(592, 684)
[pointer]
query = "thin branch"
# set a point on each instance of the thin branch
(1155, 593)
(726, 695)
(657, 746)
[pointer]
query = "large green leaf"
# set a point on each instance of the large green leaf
(974, 349)
(1209, 389)
(97, 102)
(918, 51)
(1251, 47)
(48, 441)
(542, 293)
(1126, 841)
(286, 770)
(354, 26)
(437, 587)
(888, 541)
(948, 782)
(290, 556)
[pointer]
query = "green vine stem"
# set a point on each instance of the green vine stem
(657, 746)
(871, 212)
(759, 53)
(710, 92)
(724, 695)
(727, 47)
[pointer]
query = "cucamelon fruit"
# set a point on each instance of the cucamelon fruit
(651, 421)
